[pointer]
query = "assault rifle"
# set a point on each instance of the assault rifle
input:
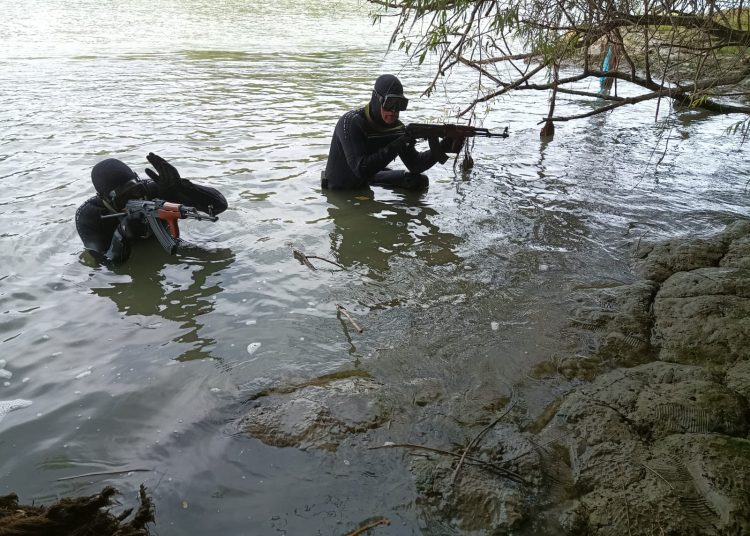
(425, 130)
(162, 217)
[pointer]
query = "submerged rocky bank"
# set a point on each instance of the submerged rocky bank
(648, 436)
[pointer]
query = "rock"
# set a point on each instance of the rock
(730, 248)
(704, 316)
(662, 448)
(318, 416)
(711, 476)
(738, 254)
(736, 230)
(659, 261)
(738, 379)
(480, 500)
(627, 335)
(659, 447)
(619, 332)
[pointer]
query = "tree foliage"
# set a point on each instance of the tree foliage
(692, 51)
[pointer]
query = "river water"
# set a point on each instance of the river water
(140, 370)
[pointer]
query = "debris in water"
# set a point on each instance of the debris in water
(80, 515)
(6, 406)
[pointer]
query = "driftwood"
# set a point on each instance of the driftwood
(368, 526)
(80, 515)
(341, 309)
(305, 259)
(476, 440)
(502, 471)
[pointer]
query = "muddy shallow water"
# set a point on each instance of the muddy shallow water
(461, 289)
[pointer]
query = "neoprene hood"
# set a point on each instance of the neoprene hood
(386, 84)
(110, 174)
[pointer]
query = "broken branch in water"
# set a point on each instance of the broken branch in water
(507, 473)
(302, 258)
(476, 440)
(341, 309)
(365, 528)
(325, 260)
(103, 473)
(305, 259)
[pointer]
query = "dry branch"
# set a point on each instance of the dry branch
(343, 310)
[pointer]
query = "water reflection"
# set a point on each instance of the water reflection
(173, 288)
(372, 233)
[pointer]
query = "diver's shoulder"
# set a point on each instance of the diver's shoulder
(352, 115)
(91, 208)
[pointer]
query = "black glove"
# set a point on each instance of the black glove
(166, 176)
(436, 148)
(401, 143)
(452, 145)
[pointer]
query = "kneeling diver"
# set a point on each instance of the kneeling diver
(366, 140)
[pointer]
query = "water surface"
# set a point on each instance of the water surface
(465, 285)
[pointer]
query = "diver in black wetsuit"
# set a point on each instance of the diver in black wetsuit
(107, 239)
(366, 140)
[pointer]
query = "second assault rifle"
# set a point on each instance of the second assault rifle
(426, 130)
(162, 217)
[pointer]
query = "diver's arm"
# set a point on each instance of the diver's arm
(354, 143)
(100, 237)
(190, 194)
(417, 162)
(166, 183)
(119, 247)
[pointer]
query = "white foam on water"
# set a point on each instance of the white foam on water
(5, 374)
(6, 406)
(250, 322)
(253, 347)
(83, 374)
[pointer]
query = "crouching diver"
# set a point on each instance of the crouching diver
(366, 140)
(108, 239)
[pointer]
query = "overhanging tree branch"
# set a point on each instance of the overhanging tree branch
(684, 50)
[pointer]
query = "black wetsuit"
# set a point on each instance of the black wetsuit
(362, 147)
(99, 235)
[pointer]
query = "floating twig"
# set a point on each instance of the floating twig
(362, 530)
(104, 473)
(302, 258)
(476, 440)
(341, 309)
(326, 260)
(305, 259)
(657, 474)
(501, 470)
